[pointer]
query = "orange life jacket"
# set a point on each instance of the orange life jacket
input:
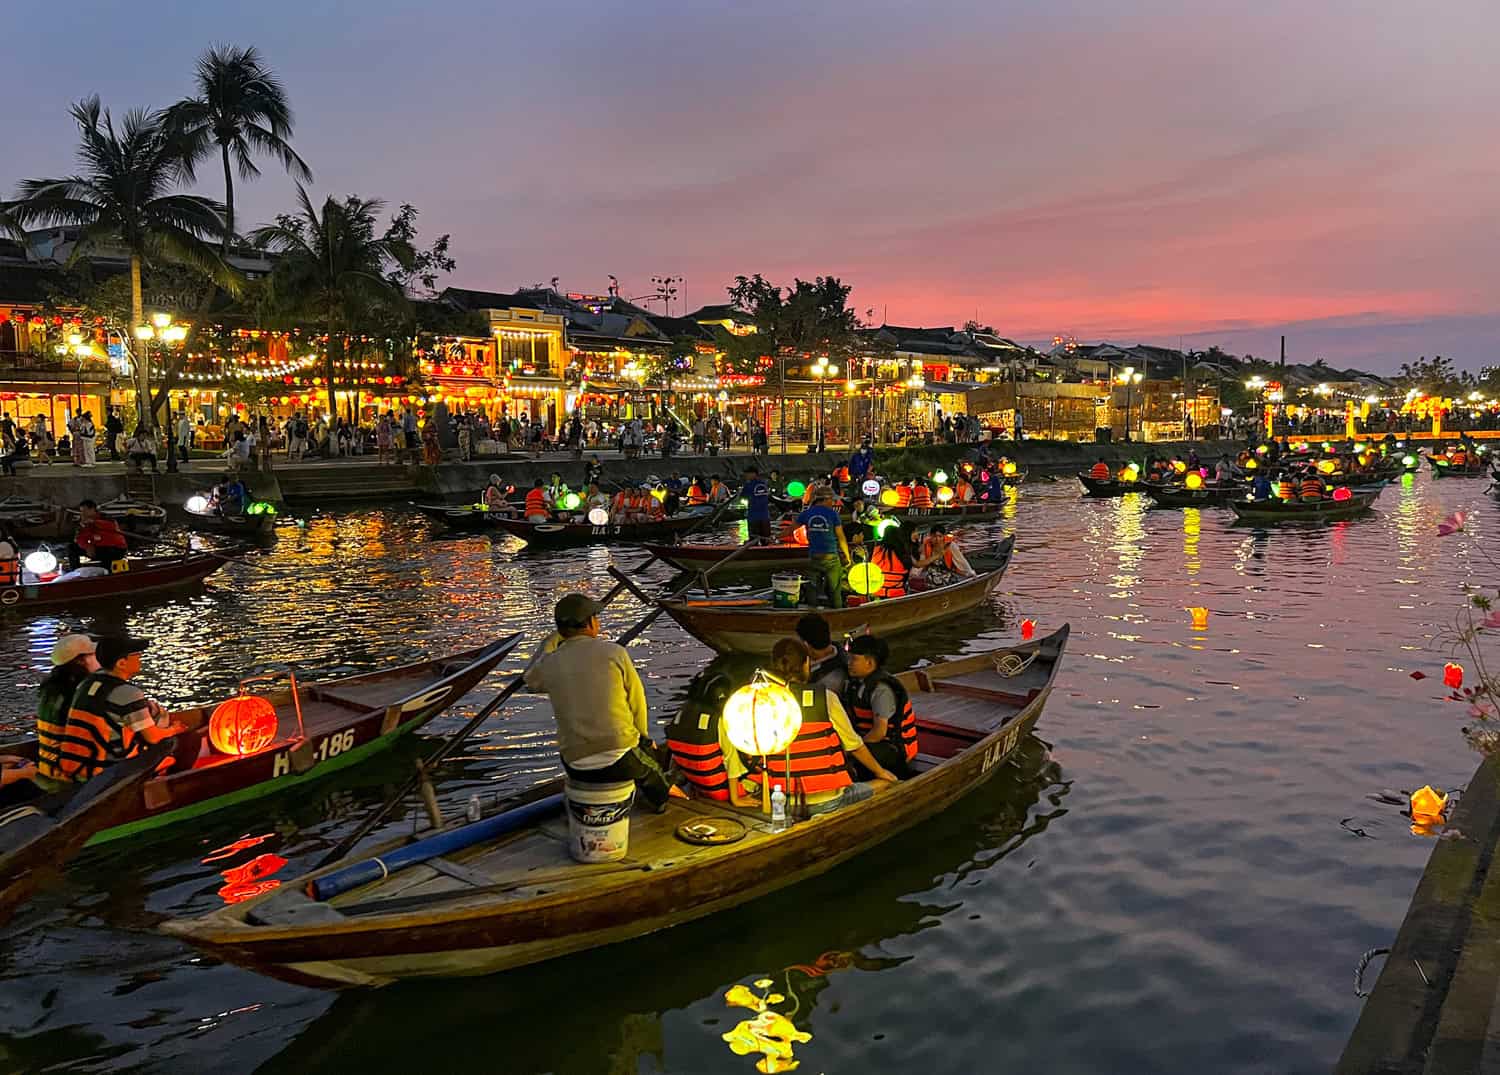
(935, 542)
(1099, 470)
(1458, 458)
(10, 571)
(903, 496)
(815, 761)
(892, 572)
(921, 496)
(536, 502)
(90, 740)
(622, 503)
(696, 496)
(902, 728)
(1287, 489)
(694, 742)
(1312, 489)
(963, 492)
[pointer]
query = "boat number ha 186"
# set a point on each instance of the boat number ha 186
(330, 746)
(1000, 749)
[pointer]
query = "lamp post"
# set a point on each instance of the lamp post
(162, 330)
(915, 383)
(822, 369)
(1129, 377)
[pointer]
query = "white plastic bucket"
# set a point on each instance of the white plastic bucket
(598, 820)
(786, 590)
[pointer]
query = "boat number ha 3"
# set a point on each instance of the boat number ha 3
(1000, 750)
(330, 746)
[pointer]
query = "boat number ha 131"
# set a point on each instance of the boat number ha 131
(1000, 749)
(330, 746)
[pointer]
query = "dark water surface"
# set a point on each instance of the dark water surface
(1166, 889)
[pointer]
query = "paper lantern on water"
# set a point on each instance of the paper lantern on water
(570, 501)
(865, 578)
(1028, 629)
(795, 488)
(1342, 493)
(1008, 469)
(1453, 675)
(243, 725)
(762, 717)
(871, 487)
(1194, 481)
(1327, 466)
(1200, 618)
(197, 504)
(1427, 805)
(598, 516)
(890, 498)
(944, 494)
(41, 562)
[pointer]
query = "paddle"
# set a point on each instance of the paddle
(419, 778)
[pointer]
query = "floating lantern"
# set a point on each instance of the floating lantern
(243, 725)
(1200, 618)
(762, 717)
(1453, 675)
(41, 562)
(871, 487)
(1342, 494)
(598, 516)
(795, 489)
(570, 501)
(866, 578)
(1194, 481)
(197, 504)
(261, 507)
(1179, 466)
(1028, 629)
(890, 498)
(1327, 466)
(1008, 469)
(1427, 805)
(944, 494)
(940, 476)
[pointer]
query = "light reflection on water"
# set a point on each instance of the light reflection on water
(1169, 892)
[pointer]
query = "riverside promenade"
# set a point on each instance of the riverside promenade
(1435, 1009)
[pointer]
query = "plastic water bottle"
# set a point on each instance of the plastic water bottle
(778, 809)
(473, 811)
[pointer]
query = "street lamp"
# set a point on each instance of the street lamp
(822, 369)
(1129, 378)
(168, 334)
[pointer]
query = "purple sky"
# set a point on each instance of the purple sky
(1131, 171)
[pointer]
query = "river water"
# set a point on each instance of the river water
(1168, 881)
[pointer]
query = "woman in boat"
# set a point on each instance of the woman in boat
(98, 538)
(940, 548)
(892, 555)
(73, 660)
(882, 709)
(494, 495)
(814, 769)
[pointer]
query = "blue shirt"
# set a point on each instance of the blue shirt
(757, 496)
(822, 524)
(859, 463)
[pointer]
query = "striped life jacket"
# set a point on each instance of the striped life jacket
(1287, 490)
(696, 496)
(964, 492)
(536, 502)
(817, 761)
(1100, 471)
(921, 496)
(694, 742)
(933, 543)
(10, 570)
(902, 728)
(903, 496)
(1312, 489)
(92, 736)
(893, 573)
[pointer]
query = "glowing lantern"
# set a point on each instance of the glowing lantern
(890, 498)
(762, 717)
(795, 488)
(1364, 458)
(1427, 805)
(865, 578)
(261, 507)
(571, 501)
(1251, 464)
(659, 493)
(871, 487)
(1028, 629)
(1260, 450)
(1408, 460)
(1327, 466)
(1129, 474)
(940, 476)
(197, 504)
(1453, 675)
(1194, 481)
(1179, 466)
(799, 536)
(944, 494)
(1008, 469)
(1342, 493)
(882, 525)
(41, 562)
(243, 725)
(1200, 618)
(598, 516)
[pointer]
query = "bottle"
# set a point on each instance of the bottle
(778, 809)
(473, 811)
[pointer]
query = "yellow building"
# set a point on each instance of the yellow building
(530, 352)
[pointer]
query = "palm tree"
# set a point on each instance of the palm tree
(333, 267)
(242, 109)
(124, 197)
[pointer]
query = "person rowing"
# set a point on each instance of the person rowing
(98, 538)
(827, 547)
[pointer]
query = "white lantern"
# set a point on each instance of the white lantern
(762, 717)
(871, 487)
(197, 504)
(598, 516)
(41, 562)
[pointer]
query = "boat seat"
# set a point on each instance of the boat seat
(922, 762)
(461, 873)
(292, 907)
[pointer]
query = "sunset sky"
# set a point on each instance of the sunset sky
(1141, 171)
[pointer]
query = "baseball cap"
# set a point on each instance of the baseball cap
(575, 610)
(112, 648)
(69, 647)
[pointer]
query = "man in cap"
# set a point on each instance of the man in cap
(827, 548)
(598, 702)
(110, 718)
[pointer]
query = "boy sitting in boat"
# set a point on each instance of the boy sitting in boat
(882, 709)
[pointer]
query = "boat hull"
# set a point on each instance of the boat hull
(559, 535)
(146, 575)
(1102, 488)
(1320, 512)
(245, 527)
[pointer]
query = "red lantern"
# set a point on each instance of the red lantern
(1028, 628)
(1342, 493)
(243, 725)
(1453, 675)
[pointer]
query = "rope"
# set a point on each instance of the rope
(1359, 971)
(1011, 665)
(384, 873)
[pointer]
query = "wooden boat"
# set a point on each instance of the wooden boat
(1441, 468)
(22, 518)
(1179, 496)
(1300, 511)
(692, 557)
(1107, 487)
(974, 511)
(464, 516)
(492, 903)
(249, 527)
(342, 722)
(136, 517)
(146, 574)
(753, 625)
(554, 535)
(38, 838)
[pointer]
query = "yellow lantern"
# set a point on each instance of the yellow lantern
(866, 578)
(1200, 618)
(1427, 805)
(1194, 480)
(762, 717)
(1251, 464)
(944, 494)
(1009, 469)
(659, 493)
(890, 498)
(1327, 466)
(1179, 466)
(1129, 473)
